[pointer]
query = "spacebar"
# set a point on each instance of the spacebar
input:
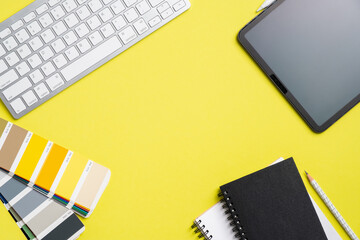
(91, 58)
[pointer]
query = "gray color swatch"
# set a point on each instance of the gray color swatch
(46, 217)
(11, 189)
(29, 203)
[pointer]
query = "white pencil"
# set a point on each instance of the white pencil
(266, 4)
(331, 207)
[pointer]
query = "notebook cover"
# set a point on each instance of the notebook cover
(273, 204)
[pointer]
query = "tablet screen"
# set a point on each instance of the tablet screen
(313, 47)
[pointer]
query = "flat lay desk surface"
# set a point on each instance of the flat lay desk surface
(181, 113)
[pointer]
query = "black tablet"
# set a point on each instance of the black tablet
(310, 49)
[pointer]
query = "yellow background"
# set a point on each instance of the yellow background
(178, 115)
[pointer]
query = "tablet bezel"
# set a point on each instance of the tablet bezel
(277, 82)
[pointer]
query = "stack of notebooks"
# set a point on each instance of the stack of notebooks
(269, 204)
(42, 184)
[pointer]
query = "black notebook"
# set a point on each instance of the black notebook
(272, 204)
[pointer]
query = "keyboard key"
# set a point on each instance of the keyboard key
(36, 43)
(22, 35)
(131, 15)
(53, 2)
(3, 66)
(130, 2)
(82, 30)
(153, 22)
(48, 68)
(117, 7)
(140, 26)
(95, 5)
(83, 46)
(69, 5)
(106, 2)
(36, 76)
(154, 3)
(8, 78)
(58, 45)
(34, 61)
(59, 28)
(46, 20)
(24, 51)
(83, 12)
(34, 28)
(10, 43)
(29, 17)
(29, 98)
(12, 59)
(4, 33)
(179, 5)
(22, 68)
(127, 35)
(71, 20)
(41, 90)
(48, 36)
(15, 26)
(94, 22)
(91, 58)
(81, 1)
(18, 106)
(119, 22)
(143, 7)
(17, 88)
(2, 51)
(70, 38)
(43, 8)
(72, 53)
(46, 53)
(107, 30)
(163, 7)
(96, 38)
(60, 61)
(55, 82)
(106, 15)
(57, 12)
(167, 13)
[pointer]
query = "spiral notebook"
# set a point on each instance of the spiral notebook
(217, 224)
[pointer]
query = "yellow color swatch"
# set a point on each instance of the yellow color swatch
(92, 185)
(51, 167)
(31, 157)
(71, 176)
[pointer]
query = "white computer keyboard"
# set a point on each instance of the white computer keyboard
(51, 44)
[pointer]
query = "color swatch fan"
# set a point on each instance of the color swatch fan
(58, 173)
(38, 217)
